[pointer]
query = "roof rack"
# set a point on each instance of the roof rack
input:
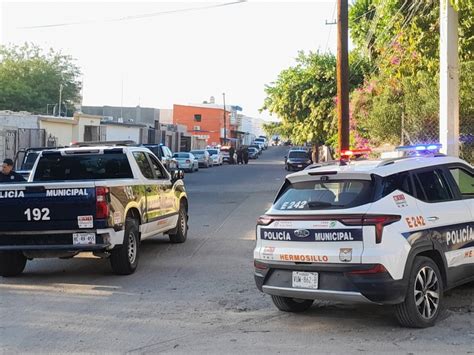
(125, 143)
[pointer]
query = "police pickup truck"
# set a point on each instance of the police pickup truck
(100, 199)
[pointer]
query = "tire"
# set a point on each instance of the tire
(180, 234)
(124, 258)
(424, 284)
(12, 263)
(295, 305)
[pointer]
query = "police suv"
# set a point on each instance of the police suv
(100, 199)
(394, 232)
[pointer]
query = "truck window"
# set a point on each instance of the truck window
(157, 167)
(54, 167)
(143, 164)
(465, 182)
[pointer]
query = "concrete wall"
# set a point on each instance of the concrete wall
(18, 119)
(120, 133)
(63, 132)
(143, 115)
(166, 116)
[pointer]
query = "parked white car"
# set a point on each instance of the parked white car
(216, 156)
(186, 161)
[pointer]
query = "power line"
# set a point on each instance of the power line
(330, 28)
(137, 17)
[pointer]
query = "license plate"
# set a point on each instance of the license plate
(302, 279)
(300, 166)
(83, 238)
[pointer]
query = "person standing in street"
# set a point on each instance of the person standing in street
(239, 156)
(245, 155)
(8, 174)
(231, 154)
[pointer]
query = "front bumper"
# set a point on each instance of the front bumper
(336, 283)
(106, 239)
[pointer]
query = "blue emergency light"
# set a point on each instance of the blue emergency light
(430, 148)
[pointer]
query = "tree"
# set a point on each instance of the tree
(401, 39)
(303, 97)
(30, 79)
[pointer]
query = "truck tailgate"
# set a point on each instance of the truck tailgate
(48, 206)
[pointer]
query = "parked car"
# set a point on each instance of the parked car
(256, 146)
(203, 158)
(297, 160)
(216, 156)
(261, 141)
(187, 161)
(396, 232)
(100, 199)
(164, 154)
(253, 153)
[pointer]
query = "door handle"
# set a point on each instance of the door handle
(432, 218)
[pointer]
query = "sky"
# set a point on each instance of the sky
(178, 57)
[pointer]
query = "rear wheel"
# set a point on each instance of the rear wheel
(12, 263)
(423, 300)
(287, 304)
(180, 234)
(124, 258)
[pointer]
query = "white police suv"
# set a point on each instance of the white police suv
(396, 232)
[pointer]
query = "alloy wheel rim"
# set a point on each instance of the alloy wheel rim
(132, 248)
(183, 222)
(426, 292)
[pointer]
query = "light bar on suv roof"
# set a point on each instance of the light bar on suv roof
(109, 143)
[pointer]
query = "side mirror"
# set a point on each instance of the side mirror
(176, 175)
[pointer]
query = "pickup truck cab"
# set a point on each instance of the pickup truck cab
(100, 199)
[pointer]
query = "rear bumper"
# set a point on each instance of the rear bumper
(336, 283)
(296, 166)
(59, 240)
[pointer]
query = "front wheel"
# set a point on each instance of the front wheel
(423, 300)
(124, 258)
(294, 305)
(180, 234)
(12, 263)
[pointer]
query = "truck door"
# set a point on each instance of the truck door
(149, 202)
(168, 206)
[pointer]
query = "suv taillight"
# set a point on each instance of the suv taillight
(379, 221)
(101, 204)
(264, 221)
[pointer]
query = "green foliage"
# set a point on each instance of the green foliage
(30, 78)
(401, 39)
(303, 97)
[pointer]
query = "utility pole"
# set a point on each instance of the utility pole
(60, 98)
(225, 121)
(449, 80)
(342, 75)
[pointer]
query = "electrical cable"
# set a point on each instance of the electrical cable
(137, 17)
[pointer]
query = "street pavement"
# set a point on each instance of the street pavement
(200, 297)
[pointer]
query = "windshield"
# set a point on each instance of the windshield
(181, 155)
(53, 167)
(29, 161)
(310, 195)
(198, 152)
(213, 151)
(298, 155)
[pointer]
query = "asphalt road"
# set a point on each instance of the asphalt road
(200, 297)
